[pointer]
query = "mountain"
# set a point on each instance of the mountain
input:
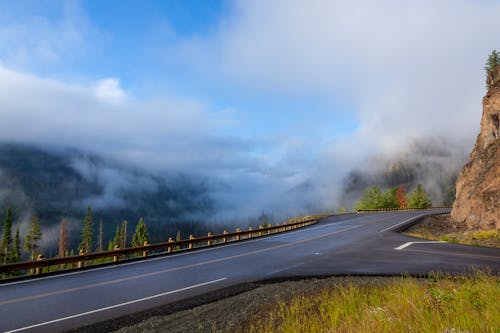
(435, 163)
(478, 187)
(59, 184)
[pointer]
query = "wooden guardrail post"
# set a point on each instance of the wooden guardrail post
(115, 257)
(238, 236)
(81, 263)
(145, 252)
(191, 237)
(250, 234)
(224, 240)
(170, 240)
(260, 232)
(209, 242)
(38, 270)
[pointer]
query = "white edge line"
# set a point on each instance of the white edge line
(405, 221)
(405, 245)
(165, 257)
(115, 306)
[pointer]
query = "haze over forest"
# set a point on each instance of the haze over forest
(219, 111)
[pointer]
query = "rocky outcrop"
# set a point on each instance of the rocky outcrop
(477, 203)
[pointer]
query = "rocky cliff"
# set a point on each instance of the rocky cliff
(477, 203)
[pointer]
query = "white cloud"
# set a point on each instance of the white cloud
(109, 91)
(408, 69)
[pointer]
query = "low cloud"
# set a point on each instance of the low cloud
(396, 72)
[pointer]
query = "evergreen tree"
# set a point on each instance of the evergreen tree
(100, 235)
(492, 62)
(419, 198)
(16, 248)
(32, 238)
(87, 233)
(117, 240)
(373, 198)
(7, 237)
(140, 235)
(63, 239)
(391, 199)
(124, 235)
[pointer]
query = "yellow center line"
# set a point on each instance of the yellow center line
(135, 277)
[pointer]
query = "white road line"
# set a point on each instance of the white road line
(405, 245)
(115, 306)
(405, 221)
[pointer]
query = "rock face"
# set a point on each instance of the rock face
(477, 203)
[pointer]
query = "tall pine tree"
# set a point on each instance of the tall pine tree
(32, 238)
(7, 237)
(63, 240)
(16, 248)
(117, 240)
(419, 198)
(492, 62)
(87, 233)
(140, 235)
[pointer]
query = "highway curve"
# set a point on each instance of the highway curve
(348, 244)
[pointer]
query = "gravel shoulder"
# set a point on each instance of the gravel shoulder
(227, 310)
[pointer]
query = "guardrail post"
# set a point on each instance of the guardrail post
(225, 238)
(170, 240)
(238, 237)
(250, 234)
(270, 226)
(260, 232)
(209, 241)
(191, 237)
(38, 270)
(115, 257)
(80, 263)
(145, 252)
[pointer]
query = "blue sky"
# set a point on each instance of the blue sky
(263, 95)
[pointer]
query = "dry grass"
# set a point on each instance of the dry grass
(479, 237)
(438, 304)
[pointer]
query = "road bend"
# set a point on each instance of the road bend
(347, 244)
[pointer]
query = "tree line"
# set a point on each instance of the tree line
(375, 198)
(89, 240)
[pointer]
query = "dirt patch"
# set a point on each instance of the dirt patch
(442, 227)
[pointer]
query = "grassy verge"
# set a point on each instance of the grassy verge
(437, 304)
(440, 227)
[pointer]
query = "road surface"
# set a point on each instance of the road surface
(349, 244)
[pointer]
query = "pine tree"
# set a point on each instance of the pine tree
(99, 238)
(492, 62)
(372, 198)
(390, 199)
(7, 237)
(124, 234)
(16, 248)
(31, 240)
(419, 198)
(87, 233)
(63, 239)
(140, 235)
(117, 240)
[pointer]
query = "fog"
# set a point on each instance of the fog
(393, 81)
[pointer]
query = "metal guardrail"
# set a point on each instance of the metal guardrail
(167, 247)
(386, 210)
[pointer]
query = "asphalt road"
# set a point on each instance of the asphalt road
(350, 244)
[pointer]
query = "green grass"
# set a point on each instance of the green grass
(478, 237)
(405, 304)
